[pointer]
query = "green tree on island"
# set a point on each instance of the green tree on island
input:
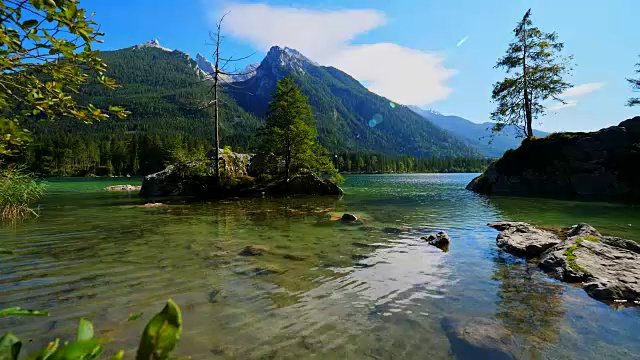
(290, 134)
(536, 69)
(45, 55)
(635, 84)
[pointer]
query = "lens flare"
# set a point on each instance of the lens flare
(393, 106)
(377, 119)
(462, 41)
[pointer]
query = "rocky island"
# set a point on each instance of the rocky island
(594, 165)
(245, 175)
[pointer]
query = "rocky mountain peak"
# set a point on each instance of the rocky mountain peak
(281, 60)
(151, 43)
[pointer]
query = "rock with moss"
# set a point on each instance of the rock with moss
(599, 164)
(608, 268)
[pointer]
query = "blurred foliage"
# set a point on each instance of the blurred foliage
(45, 55)
(159, 338)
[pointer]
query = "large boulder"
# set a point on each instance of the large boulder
(522, 239)
(480, 338)
(598, 164)
(608, 268)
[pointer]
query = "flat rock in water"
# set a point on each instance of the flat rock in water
(607, 267)
(479, 338)
(522, 239)
(123, 188)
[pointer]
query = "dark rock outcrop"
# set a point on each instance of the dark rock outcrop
(479, 338)
(440, 240)
(600, 164)
(607, 267)
(305, 184)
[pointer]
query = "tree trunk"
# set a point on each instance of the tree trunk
(527, 100)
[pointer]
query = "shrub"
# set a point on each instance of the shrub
(18, 190)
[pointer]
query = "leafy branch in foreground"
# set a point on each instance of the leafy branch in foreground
(159, 338)
(45, 55)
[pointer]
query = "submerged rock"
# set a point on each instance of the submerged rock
(440, 240)
(123, 188)
(601, 164)
(479, 338)
(396, 229)
(607, 267)
(349, 218)
(522, 239)
(254, 250)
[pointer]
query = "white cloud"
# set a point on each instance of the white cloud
(567, 104)
(582, 89)
(575, 93)
(404, 75)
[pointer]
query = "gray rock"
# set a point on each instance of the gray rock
(479, 338)
(607, 267)
(123, 188)
(306, 184)
(440, 240)
(522, 239)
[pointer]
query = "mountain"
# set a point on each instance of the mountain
(165, 90)
(207, 68)
(348, 116)
(477, 135)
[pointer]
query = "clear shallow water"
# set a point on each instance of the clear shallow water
(326, 290)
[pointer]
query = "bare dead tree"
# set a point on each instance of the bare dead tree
(219, 75)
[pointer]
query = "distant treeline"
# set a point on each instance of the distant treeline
(379, 163)
(59, 153)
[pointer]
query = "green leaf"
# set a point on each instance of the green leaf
(10, 347)
(134, 317)
(85, 330)
(118, 356)
(29, 23)
(161, 335)
(18, 311)
(85, 350)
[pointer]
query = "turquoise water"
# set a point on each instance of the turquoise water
(325, 290)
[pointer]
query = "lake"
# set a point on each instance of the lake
(325, 289)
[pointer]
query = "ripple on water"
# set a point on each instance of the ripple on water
(322, 288)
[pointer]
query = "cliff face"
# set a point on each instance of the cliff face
(602, 164)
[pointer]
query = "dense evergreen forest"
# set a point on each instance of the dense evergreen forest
(166, 95)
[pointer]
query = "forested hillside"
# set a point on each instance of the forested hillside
(165, 92)
(165, 95)
(344, 110)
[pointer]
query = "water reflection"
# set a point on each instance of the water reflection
(322, 288)
(530, 305)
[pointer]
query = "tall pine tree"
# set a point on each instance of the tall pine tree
(535, 70)
(290, 134)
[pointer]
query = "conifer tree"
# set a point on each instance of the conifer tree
(290, 134)
(535, 69)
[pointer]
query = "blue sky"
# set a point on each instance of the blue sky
(406, 49)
